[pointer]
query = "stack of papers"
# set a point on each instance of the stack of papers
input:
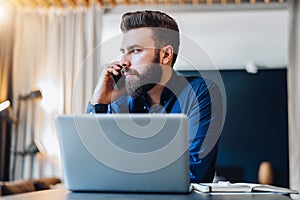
(224, 186)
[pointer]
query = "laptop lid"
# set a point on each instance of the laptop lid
(124, 152)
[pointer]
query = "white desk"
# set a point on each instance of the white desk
(63, 194)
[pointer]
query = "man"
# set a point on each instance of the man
(150, 45)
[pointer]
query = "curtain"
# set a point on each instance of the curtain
(56, 52)
(294, 93)
(6, 50)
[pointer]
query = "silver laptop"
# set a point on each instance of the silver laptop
(125, 152)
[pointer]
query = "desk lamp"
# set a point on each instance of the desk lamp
(32, 149)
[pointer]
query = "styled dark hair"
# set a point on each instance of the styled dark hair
(165, 29)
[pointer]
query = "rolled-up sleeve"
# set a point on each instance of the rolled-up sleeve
(98, 108)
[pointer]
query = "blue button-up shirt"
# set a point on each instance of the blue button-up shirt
(192, 96)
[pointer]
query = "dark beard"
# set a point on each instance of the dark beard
(140, 87)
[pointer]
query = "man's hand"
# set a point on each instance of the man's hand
(104, 92)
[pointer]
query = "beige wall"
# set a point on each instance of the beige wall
(230, 38)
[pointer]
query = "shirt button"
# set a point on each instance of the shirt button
(157, 108)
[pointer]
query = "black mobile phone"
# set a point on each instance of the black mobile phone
(119, 81)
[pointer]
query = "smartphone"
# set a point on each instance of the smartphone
(119, 81)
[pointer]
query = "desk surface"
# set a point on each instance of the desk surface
(63, 194)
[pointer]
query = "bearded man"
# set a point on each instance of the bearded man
(149, 49)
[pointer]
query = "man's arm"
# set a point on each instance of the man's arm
(105, 93)
(205, 125)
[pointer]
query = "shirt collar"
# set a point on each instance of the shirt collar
(173, 87)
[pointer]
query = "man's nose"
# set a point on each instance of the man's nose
(125, 62)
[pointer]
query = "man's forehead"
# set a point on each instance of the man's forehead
(138, 37)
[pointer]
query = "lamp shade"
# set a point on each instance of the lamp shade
(6, 112)
(4, 105)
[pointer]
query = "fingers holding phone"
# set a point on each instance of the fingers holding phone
(110, 85)
(119, 79)
(116, 73)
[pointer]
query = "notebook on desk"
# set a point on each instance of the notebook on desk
(124, 152)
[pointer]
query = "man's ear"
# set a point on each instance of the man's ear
(166, 55)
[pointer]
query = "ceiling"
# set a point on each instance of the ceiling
(61, 4)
